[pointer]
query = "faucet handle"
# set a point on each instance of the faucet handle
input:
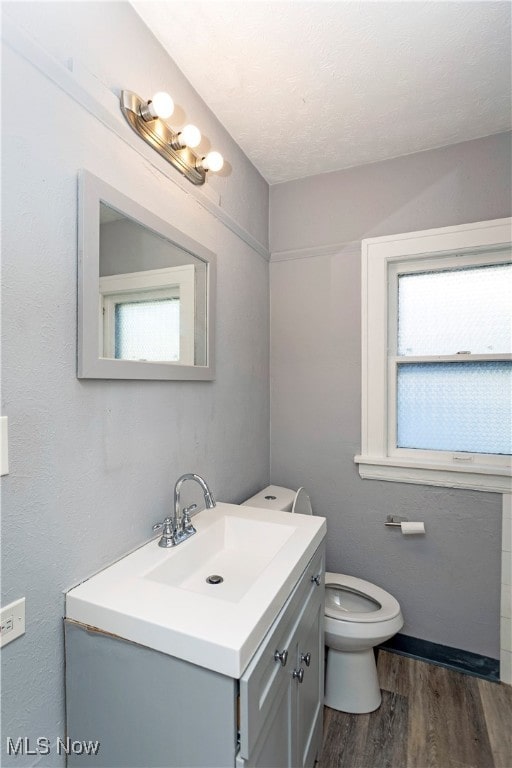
(186, 522)
(159, 526)
(166, 527)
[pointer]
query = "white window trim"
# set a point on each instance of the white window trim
(377, 461)
(166, 283)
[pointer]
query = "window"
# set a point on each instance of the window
(149, 315)
(437, 357)
(147, 326)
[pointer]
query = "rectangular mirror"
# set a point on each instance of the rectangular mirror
(146, 292)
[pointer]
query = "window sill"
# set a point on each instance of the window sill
(477, 478)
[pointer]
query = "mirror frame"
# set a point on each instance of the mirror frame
(91, 192)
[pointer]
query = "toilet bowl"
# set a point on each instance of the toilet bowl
(358, 616)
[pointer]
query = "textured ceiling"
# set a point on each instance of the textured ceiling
(310, 87)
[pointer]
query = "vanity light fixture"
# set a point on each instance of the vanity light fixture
(147, 118)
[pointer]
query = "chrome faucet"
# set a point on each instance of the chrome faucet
(178, 526)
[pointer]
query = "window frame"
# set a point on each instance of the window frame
(167, 282)
(382, 260)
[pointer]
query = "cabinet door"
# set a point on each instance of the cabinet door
(278, 722)
(310, 692)
(274, 748)
(266, 678)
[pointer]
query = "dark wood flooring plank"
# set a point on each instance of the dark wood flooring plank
(421, 747)
(393, 671)
(446, 706)
(344, 741)
(386, 743)
(497, 706)
(376, 740)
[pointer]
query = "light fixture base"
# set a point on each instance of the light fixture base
(161, 138)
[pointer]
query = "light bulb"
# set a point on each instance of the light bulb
(212, 162)
(190, 136)
(161, 105)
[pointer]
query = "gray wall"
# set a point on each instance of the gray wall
(447, 582)
(93, 463)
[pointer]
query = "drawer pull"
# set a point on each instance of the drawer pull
(306, 658)
(316, 579)
(298, 674)
(281, 657)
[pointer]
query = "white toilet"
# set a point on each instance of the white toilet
(358, 616)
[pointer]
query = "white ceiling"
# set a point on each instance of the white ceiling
(310, 87)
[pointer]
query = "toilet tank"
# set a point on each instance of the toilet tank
(273, 497)
(283, 499)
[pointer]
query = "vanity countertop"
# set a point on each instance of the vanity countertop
(160, 598)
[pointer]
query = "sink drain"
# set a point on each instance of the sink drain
(214, 579)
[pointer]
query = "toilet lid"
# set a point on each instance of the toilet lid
(389, 606)
(302, 503)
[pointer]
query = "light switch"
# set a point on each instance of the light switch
(4, 447)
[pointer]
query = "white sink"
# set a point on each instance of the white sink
(236, 549)
(160, 597)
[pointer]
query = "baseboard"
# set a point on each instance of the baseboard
(445, 656)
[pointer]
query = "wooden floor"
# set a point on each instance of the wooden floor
(430, 717)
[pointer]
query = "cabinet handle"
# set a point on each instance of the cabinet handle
(306, 658)
(298, 674)
(281, 657)
(316, 579)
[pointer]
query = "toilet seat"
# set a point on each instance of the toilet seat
(302, 503)
(389, 606)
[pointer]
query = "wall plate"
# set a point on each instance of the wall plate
(4, 450)
(12, 619)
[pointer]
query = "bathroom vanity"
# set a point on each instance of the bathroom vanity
(164, 668)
